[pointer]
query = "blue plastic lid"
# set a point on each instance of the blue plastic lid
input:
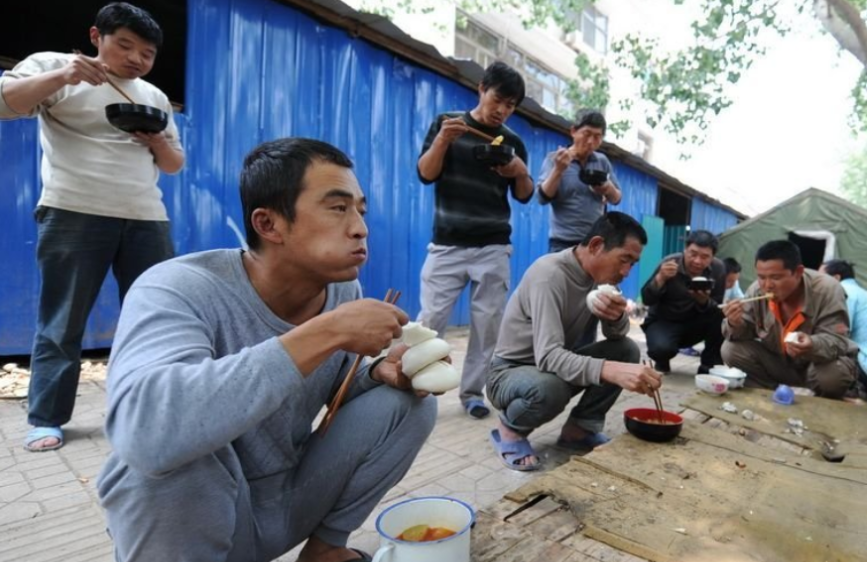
(784, 395)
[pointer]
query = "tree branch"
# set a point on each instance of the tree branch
(843, 21)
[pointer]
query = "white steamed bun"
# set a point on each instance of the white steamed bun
(437, 377)
(423, 354)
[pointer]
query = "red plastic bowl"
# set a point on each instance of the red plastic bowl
(640, 423)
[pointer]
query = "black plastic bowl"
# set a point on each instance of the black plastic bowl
(696, 284)
(134, 118)
(592, 177)
(494, 155)
(640, 422)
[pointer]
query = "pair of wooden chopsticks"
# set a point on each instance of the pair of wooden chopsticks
(111, 82)
(657, 397)
(479, 133)
(751, 299)
(391, 298)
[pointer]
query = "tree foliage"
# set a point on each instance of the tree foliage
(683, 91)
(854, 182)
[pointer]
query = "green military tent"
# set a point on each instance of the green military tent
(823, 225)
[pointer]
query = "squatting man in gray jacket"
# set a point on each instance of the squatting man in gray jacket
(540, 363)
(223, 359)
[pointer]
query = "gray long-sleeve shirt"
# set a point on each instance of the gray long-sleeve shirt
(197, 366)
(547, 315)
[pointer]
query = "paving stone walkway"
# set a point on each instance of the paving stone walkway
(49, 509)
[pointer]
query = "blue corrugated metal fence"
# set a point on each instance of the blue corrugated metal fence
(258, 70)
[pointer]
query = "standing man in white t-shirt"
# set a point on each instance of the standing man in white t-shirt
(100, 205)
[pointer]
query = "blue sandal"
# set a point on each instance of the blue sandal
(39, 433)
(476, 409)
(585, 444)
(510, 452)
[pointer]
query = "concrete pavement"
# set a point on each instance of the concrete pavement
(49, 509)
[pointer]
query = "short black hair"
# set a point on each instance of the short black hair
(273, 177)
(839, 267)
(702, 239)
(505, 80)
(784, 250)
(120, 14)
(732, 265)
(615, 228)
(590, 118)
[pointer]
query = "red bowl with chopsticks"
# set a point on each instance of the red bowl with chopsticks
(645, 423)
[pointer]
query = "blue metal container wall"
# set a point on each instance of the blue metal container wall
(19, 191)
(640, 192)
(706, 216)
(258, 70)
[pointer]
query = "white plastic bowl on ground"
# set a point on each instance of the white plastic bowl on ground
(735, 376)
(712, 384)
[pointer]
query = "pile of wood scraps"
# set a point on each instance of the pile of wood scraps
(14, 381)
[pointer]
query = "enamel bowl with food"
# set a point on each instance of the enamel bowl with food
(712, 384)
(735, 376)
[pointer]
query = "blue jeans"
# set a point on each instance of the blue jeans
(665, 338)
(528, 397)
(207, 510)
(74, 252)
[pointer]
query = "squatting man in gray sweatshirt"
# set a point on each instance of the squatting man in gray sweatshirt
(221, 362)
(539, 363)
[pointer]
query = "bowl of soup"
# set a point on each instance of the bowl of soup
(650, 424)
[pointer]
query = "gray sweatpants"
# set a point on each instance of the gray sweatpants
(208, 512)
(446, 271)
(528, 397)
(766, 369)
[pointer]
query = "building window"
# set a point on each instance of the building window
(476, 43)
(483, 46)
(594, 29)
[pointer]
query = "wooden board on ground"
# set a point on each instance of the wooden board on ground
(710, 495)
(825, 428)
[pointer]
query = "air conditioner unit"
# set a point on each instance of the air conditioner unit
(575, 40)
